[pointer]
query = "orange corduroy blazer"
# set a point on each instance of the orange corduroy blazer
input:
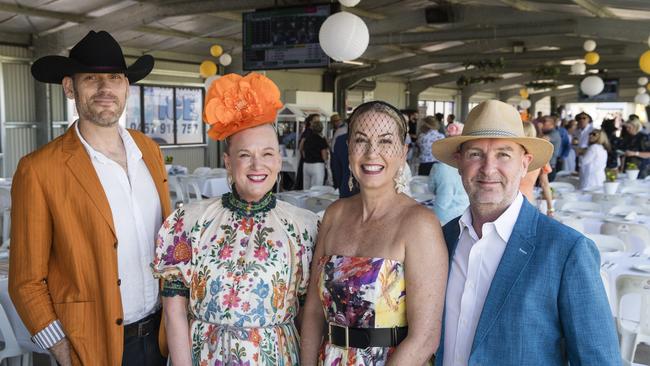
(63, 262)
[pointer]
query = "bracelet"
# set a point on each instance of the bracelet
(550, 210)
(637, 153)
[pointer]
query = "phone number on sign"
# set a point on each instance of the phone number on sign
(163, 128)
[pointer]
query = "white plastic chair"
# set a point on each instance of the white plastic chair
(175, 190)
(633, 333)
(605, 278)
(217, 187)
(562, 186)
(5, 207)
(607, 243)
(627, 209)
(322, 189)
(577, 206)
(574, 223)
(218, 172)
(317, 204)
(628, 232)
(608, 199)
(190, 185)
(290, 198)
(634, 189)
(202, 170)
(12, 348)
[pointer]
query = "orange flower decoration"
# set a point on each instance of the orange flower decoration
(236, 102)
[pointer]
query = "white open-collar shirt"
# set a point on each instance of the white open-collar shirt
(473, 265)
(137, 216)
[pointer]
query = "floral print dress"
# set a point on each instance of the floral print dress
(243, 267)
(361, 292)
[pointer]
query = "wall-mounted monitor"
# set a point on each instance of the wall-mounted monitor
(609, 93)
(285, 38)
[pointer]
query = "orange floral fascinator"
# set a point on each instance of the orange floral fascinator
(234, 103)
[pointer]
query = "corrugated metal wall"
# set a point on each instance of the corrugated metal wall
(15, 51)
(58, 103)
(19, 93)
(20, 140)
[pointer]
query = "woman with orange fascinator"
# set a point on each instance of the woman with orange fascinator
(237, 266)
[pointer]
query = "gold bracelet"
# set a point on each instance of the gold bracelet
(551, 210)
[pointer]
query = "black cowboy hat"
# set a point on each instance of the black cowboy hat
(97, 52)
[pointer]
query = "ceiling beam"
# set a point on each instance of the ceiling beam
(141, 14)
(521, 5)
(595, 8)
(507, 31)
(468, 53)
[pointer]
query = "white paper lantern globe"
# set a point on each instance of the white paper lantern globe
(349, 3)
(589, 45)
(525, 103)
(642, 99)
(209, 81)
(640, 90)
(578, 68)
(642, 80)
(343, 36)
(225, 59)
(592, 85)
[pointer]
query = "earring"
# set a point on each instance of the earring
(351, 182)
(229, 180)
(400, 181)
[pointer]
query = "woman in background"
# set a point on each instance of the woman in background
(528, 182)
(445, 183)
(637, 147)
(429, 134)
(594, 161)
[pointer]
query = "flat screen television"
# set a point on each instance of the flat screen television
(285, 38)
(609, 93)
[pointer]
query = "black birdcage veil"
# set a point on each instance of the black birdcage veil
(377, 127)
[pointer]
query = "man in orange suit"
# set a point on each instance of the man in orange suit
(86, 209)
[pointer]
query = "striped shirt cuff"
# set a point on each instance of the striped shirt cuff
(50, 335)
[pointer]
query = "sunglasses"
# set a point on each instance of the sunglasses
(594, 134)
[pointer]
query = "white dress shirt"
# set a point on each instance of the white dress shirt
(473, 265)
(137, 216)
(592, 167)
(583, 141)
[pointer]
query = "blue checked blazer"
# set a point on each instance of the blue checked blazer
(546, 304)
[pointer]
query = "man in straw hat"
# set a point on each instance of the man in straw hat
(523, 289)
(86, 209)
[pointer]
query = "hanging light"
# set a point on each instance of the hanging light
(578, 68)
(349, 3)
(592, 85)
(225, 59)
(344, 36)
(216, 50)
(207, 68)
(642, 99)
(589, 45)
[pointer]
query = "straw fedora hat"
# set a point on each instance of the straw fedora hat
(97, 52)
(494, 120)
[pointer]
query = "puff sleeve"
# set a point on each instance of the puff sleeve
(173, 256)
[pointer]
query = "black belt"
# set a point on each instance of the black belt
(365, 337)
(144, 326)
